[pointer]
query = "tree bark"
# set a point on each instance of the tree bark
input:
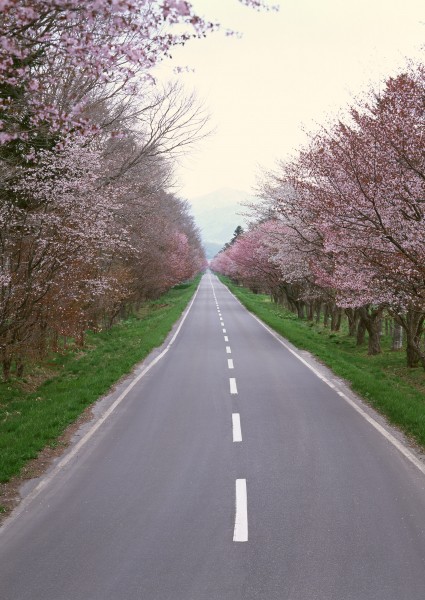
(300, 310)
(55, 341)
(353, 319)
(361, 332)
(318, 311)
(80, 339)
(412, 323)
(372, 319)
(336, 319)
(6, 361)
(326, 315)
(397, 337)
(310, 311)
(20, 365)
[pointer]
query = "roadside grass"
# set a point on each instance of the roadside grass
(30, 420)
(383, 380)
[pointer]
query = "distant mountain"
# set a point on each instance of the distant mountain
(212, 248)
(217, 215)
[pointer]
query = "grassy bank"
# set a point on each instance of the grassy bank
(383, 381)
(33, 415)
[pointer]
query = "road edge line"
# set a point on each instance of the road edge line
(386, 434)
(99, 422)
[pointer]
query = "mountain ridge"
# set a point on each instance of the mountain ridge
(217, 214)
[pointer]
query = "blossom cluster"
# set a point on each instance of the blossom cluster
(347, 216)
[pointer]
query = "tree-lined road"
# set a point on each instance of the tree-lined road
(230, 471)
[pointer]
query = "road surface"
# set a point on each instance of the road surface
(229, 471)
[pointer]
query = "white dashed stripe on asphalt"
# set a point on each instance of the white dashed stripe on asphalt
(240, 533)
(236, 427)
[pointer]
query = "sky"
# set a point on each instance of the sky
(290, 72)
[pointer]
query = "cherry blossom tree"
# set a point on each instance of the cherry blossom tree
(372, 185)
(86, 146)
(359, 188)
(106, 48)
(54, 221)
(79, 255)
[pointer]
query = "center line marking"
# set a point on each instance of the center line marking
(228, 350)
(236, 427)
(240, 533)
(233, 388)
(224, 331)
(230, 363)
(226, 339)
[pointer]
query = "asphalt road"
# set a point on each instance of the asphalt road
(209, 482)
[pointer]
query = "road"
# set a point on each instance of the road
(229, 471)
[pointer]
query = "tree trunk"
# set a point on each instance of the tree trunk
(374, 331)
(42, 342)
(326, 316)
(310, 311)
(353, 319)
(80, 339)
(361, 332)
(300, 310)
(55, 341)
(373, 324)
(20, 367)
(336, 319)
(318, 311)
(6, 361)
(397, 337)
(412, 323)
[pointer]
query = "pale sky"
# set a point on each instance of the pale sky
(291, 71)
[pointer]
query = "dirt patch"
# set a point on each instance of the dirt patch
(9, 491)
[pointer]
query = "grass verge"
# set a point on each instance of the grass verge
(32, 420)
(383, 380)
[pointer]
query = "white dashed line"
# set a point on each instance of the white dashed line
(226, 339)
(386, 434)
(230, 363)
(240, 533)
(236, 427)
(233, 388)
(228, 350)
(224, 331)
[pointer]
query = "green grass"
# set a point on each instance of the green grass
(32, 420)
(383, 380)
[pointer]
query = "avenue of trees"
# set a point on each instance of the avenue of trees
(341, 229)
(88, 225)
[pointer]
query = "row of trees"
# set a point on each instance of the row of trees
(88, 226)
(341, 227)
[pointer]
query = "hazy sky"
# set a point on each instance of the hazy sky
(290, 72)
